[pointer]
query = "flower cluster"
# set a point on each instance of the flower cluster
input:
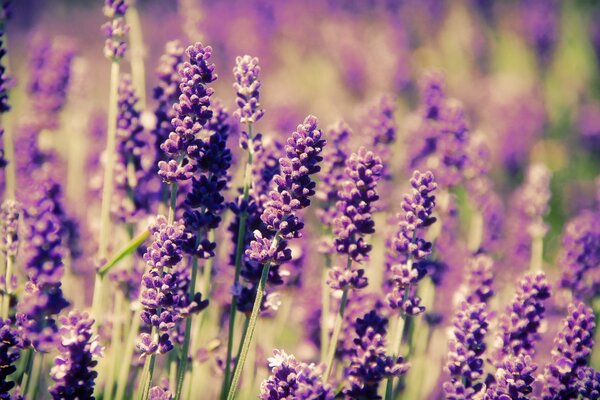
(247, 87)
(191, 113)
(4, 78)
(293, 379)
(568, 373)
(9, 354)
(10, 212)
(513, 379)
(115, 30)
(520, 324)
(369, 364)
(479, 279)
(73, 369)
(408, 245)
(165, 286)
(466, 348)
(43, 263)
(580, 255)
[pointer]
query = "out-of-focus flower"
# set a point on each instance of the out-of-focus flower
(79, 348)
(247, 87)
(579, 258)
(520, 324)
(567, 373)
(115, 30)
(479, 279)
(369, 364)
(513, 380)
(9, 227)
(540, 24)
(9, 354)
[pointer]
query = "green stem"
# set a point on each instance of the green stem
(36, 371)
(325, 305)
(10, 260)
(475, 231)
(250, 331)
(9, 151)
(107, 189)
(537, 253)
(137, 54)
(128, 355)
(239, 252)
(124, 252)
(395, 346)
(115, 348)
(337, 328)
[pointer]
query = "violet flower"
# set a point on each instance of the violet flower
(380, 127)
(292, 379)
(115, 30)
(43, 253)
(568, 373)
(520, 324)
(10, 212)
(579, 258)
(247, 87)
(466, 349)
(165, 287)
(192, 112)
(513, 379)
(540, 20)
(369, 364)
(479, 279)
(409, 246)
(79, 348)
(10, 343)
(5, 79)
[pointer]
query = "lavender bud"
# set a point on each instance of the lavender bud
(247, 86)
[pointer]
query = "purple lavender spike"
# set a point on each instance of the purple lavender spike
(73, 369)
(247, 86)
(9, 227)
(115, 30)
(513, 380)
(10, 343)
(568, 373)
(291, 378)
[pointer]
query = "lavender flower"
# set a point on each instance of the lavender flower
(167, 92)
(9, 227)
(165, 287)
(520, 324)
(408, 244)
(572, 347)
(292, 379)
(580, 255)
(540, 22)
(73, 369)
(9, 354)
(115, 30)
(50, 66)
(192, 112)
(4, 78)
(160, 393)
(466, 349)
(479, 279)
(513, 380)
(381, 128)
(132, 171)
(43, 265)
(369, 365)
(247, 86)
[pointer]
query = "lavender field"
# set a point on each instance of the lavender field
(303, 199)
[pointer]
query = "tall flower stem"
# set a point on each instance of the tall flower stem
(138, 71)
(339, 320)
(396, 344)
(128, 355)
(325, 304)
(115, 347)
(239, 252)
(10, 260)
(107, 189)
(9, 151)
(250, 331)
(537, 253)
(36, 371)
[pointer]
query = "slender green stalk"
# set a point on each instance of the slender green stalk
(10, 260)
(107, 189)
(36, 372)
(250, 331)
(239, 252)
(183, 360)
(115, 348)
(173, 369)
(26, 369)
(537, 253)
(475, 231)
(136, 42)
(128, 355)
(325, 305)
(337, 328)
(124, 252)
(9, 151)
(396, 344)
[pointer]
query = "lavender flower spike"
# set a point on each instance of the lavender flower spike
(514, 379)
(292, 379)
(572, 348)
(9, 226)
(73, 369)
(115, 30)
(9, 354)
(520, 324)
(246, 73)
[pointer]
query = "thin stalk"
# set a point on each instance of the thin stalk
(115, 348)
(337, 328)
(396, 344)
(183, 360)
(9, 151)
(10, 260)
(124, 252)
(107, 189)
(250, 331)
(239, 251)
(173, 369)
(475, 231)
(26, 369)
(136, 41)
(244, 332)
(36, 371)
(128, 355)
(325, 305)
(537, 253)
